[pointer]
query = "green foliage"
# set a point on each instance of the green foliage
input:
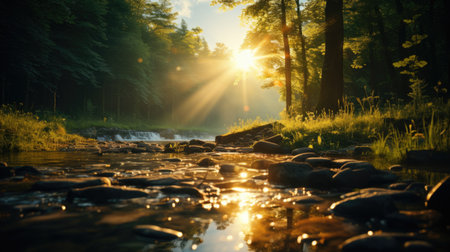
(21, 131)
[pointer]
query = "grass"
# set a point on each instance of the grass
(21, 131)
(242, 125)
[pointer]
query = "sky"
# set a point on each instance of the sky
(218, 25)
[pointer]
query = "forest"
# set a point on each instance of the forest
(130, 59)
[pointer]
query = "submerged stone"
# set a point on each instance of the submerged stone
(289, 173)
(261, 164)
(104, 193)
(205, 162)
(68, 183)
(183, 190)
(157, 233)
(148, 181)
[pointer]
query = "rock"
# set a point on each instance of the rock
(319, 161)
(196, 142)
(183, 190)
(244, 149)
(157, 233)
(427, 157)
(382, 177)
(397, 196)
(26, 170)
(209, 145)
(261, 164)
(364, 206)
(6, 172)
(395, 168)
(195, 149)
(106, 174)
(378, 242)
(278, 139)
(338, 163)
(417, 188)
(205, 162)
(398, 186)
(362, 150)
(305, 199)
(228, 168)
(359, 165)
(105, 193)
(171, 160)
(267, 147)
(418, 246)
(69, 183)
(144, 181)
(438, 197)
(320, 178)
(349, 178)
(303, 156)
(251, 134)
(289, 173)
(301, 150)
(138, 150)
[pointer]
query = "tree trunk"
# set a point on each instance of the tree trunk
(54, 102)
(287, 58)
(387, 54)
(303, 62)
(332, 83)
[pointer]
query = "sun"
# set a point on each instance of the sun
(245, 59)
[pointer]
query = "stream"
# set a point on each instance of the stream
(241, 211)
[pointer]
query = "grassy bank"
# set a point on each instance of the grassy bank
(390, 131)
(21, 131)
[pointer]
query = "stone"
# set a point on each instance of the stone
(382, 177)
(206, 162)
(318, 161)
(157, 233)
(106, 174)
(144, 181)
(232, 138)
(6, 172)
(305, 199)
(105, 193)
(427, 157)
(338, 163)
(320, 178)
(195, 149)
(364, 206)
(267, 147)
(395, 168)
(261, 164)
(174, 160)
(438, 197)
(289, 173)
(303, 156)
(69, 183)
(397, 196)
(209, 145)
(183, 190)
(278, 139)
(418, 246)
(348, 178)
(26, 170)
(378, 242)
(359, 165)
(301, 150)
(398, 186)
(417, 187)
(196, 142)
(362, 150)
(228, 168)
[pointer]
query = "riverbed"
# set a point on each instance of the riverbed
(240, 210)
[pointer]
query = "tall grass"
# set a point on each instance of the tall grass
(242, 124)
(21, 131)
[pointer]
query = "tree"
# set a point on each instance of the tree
(332, 84)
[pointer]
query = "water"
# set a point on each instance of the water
(241, 218)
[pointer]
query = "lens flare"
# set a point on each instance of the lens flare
(245, 59)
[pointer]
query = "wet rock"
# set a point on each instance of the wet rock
(260, 177)
(303, 156)
(427, 157)
(154, 149)
(105, 193)
(205, 162)
(106, 174)
(209, 145)
(261, 164)
(64, 184)
(364, 206)
(157, 233)
(278, 139)
(138, 150)
(319, 161)
(26, 170)
(171, 160)
(6, 172)
(356, 178)
(407, 220)
(362, 150)
(398, 186)
(148, 181)
(378, 242)
(228, 168)
(196, 142)
(183, 190)
(320, 178)
(250, 135)
(417, 187)
(305, 199)
(338, 163)
(382, 177)
(289, 173)
(395, 168)
(244, 149)
(195, 149)
(397, 196)
(438, 197)
(418, 246)
(267, 147)
(358, 165)
(301, 150)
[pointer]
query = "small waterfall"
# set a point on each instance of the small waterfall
(128, 135)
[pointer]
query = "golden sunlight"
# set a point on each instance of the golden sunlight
(245, 59)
